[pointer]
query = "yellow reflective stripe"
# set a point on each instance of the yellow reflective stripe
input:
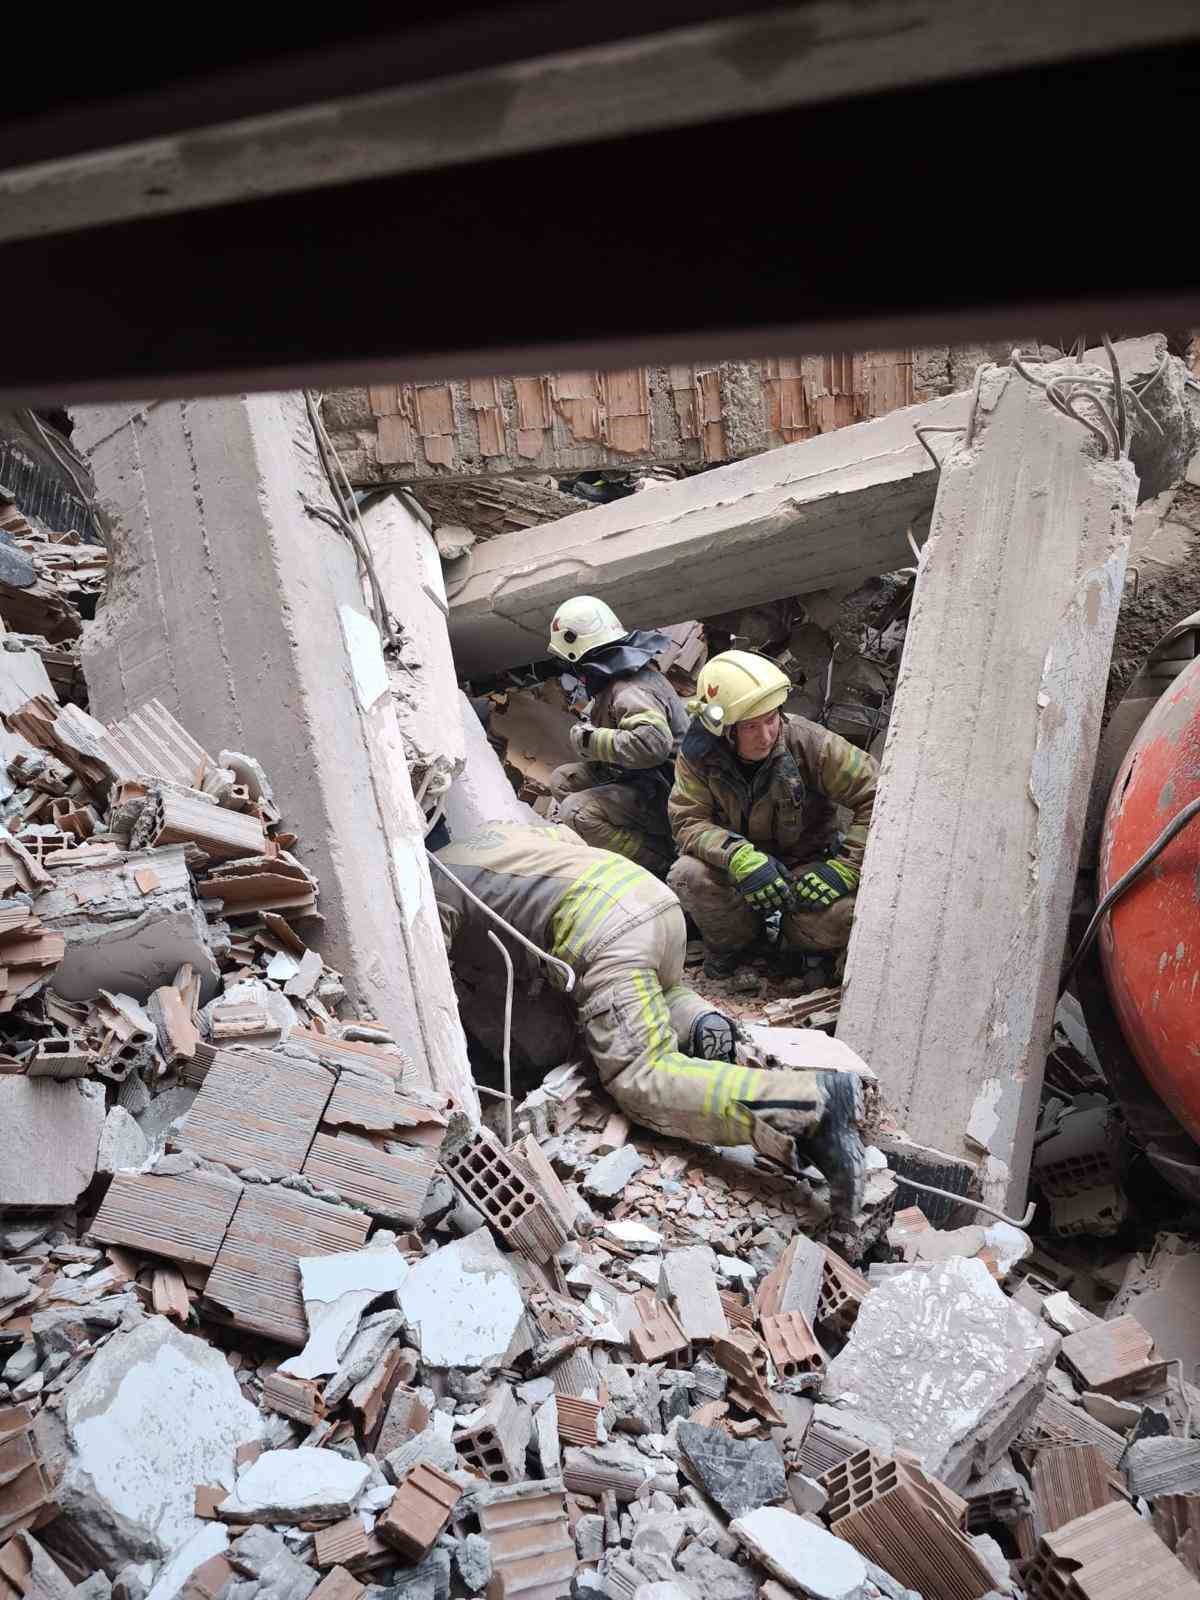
(572, 903)
(719, 1084)
(637, 718)
(601, 744)
(616, 876)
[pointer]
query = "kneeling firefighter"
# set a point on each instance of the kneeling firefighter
(662, 1053)
(615, 797)
(753, 811)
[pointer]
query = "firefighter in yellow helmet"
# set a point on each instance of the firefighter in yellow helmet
(753, 811)
(615, 796)
(661, 1051)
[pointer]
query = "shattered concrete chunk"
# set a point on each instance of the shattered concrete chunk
(212, 1539)
(39, 1115)
(608, 1177)
(155, 1413)
(473, 1558)
(738, 1474)
(689, 1283)
(803, 1555)
(337, 1290)
(716, 1577)
(123, 937)
(264, 1556)
(302, 1485)
(123, 1145)
(946, 1361)
(463, 1303)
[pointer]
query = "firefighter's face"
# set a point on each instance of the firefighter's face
(756, 736)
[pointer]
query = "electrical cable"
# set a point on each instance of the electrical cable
(1126, 881)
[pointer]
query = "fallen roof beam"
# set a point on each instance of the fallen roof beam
(806, 516)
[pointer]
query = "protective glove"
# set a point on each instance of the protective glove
(826, 883)
(763, 883)
(580, 737)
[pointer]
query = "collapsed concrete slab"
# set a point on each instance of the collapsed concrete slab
(947, 1363)
(303, 1485)
(51, 1135)
(962, 912)
(223, 582)
(122, 936)
(834, 509)
(154, 1414)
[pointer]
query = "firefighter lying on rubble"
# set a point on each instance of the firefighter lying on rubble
(662, 1053)
(753, 811)
(615, 797)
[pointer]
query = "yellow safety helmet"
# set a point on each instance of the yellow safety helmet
(583, 624)
(735, 686)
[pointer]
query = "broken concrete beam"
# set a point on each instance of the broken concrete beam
(424, 680)
(1005, 665)
(154, 1413)
(40, 1116)
(419, 1510)
(830, 510)
(290, 1486)
(129, 927)
(248, 584)
(956, 1423)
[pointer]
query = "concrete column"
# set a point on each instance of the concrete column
(970, 866)
(244, 615)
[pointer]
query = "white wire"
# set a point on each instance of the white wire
(542, 955)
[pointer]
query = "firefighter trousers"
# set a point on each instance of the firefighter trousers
(624, 817)
(634, 1008)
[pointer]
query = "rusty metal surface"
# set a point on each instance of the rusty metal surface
(1150, 941)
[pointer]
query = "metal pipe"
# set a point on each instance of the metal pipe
(966, 1200)
(508, 1000)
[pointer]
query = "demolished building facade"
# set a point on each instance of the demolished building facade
(280, 1315)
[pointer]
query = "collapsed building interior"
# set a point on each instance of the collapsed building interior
(330, 1263)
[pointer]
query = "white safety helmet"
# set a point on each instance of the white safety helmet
(583, 624)
(735, 686)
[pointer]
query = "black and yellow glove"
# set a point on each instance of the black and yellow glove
(763, 883)
(825, 884)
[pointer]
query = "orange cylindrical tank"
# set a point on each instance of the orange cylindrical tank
(1150, 941)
